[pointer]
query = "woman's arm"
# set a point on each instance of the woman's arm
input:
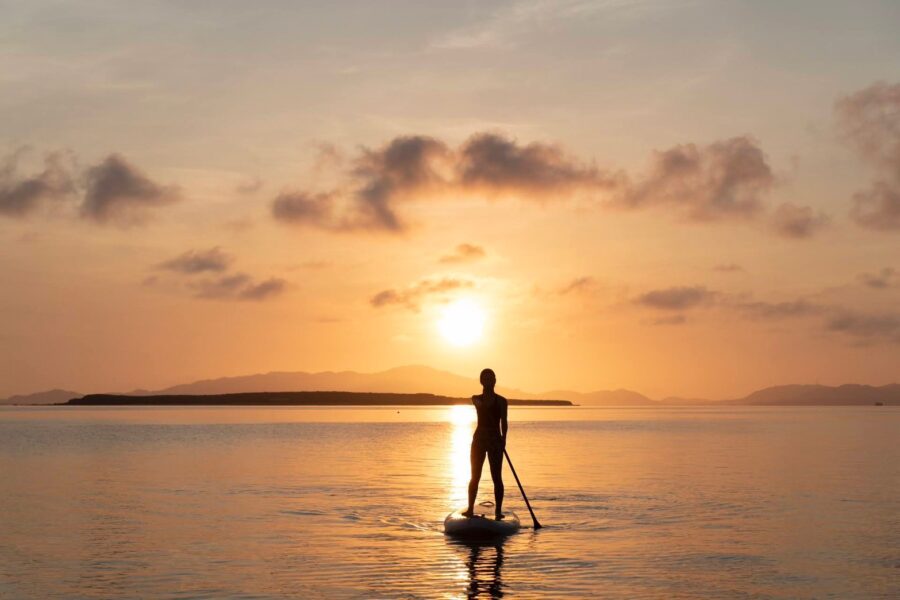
(504, 422)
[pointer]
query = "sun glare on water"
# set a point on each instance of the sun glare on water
(462, 420)
(462, 322)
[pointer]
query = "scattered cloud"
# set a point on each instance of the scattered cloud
(579, 285)
(884, 279)
(413, 296)
(463, 253)
(496, 165)
(111, 191)
(863, 328)
(878, 208)
(379, 180)
(198, 261)
(238, 286)
(673, 320)
(305, 209)
(866, 328)
(869, 120)
(729, 268)
(21, 195)
(119, 192)
(779, 310)
(723, 180)
(189, 265)
(676, 298)
(413, 167)
(227, 286)
(798, 222)
(263, 290)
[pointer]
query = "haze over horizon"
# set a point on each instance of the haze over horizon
(583, 195)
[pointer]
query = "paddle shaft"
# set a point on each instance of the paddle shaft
(537, 525)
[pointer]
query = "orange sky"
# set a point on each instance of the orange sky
(678, 198)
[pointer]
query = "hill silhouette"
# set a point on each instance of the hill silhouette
(822, 395)
(48, 397)
(419, 379)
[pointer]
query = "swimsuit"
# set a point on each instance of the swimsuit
(487, 438)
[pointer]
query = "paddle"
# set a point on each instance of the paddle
(537, 525)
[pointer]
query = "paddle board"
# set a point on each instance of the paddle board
(482, 524)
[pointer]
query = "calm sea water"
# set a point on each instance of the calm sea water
(334, 503)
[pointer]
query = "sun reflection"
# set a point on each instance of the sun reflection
(462, 418)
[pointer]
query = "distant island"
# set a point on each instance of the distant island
(290, 399)
(405, 384)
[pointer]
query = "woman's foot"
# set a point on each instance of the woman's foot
(498, 516)
(468, 512)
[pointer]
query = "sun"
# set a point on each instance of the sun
(462, 322)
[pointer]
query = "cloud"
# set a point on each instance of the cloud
(496, 165)
(729, 268)
(263, 290)
(676, 298)
(869, 120)
(238, 286)
(723, 180)
(413, 296)
(881, 280)
(673, 320)
(23, 195)
(305, 209)
(198, 261)
(878, 208)
(866, 327)
(779, 310)
(410, 168)
(463, 253)
(798, 222)
(118, 192)
(378, 179)
(579, 285)
(226, 286)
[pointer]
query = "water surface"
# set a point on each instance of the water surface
(344, 502)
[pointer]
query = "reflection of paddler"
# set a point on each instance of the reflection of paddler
(488, 564)
(489, 440)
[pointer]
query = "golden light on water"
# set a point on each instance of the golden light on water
(462, 322)
(462, 419)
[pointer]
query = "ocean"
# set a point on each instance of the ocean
(284, 502)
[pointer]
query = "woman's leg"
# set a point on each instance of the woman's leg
(476, 457)
(495, 459)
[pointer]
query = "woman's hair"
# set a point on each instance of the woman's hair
(487, 374)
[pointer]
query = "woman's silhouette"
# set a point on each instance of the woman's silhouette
(489, 439)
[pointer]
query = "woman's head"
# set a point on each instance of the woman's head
(488, 378)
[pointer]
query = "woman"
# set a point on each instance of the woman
(489, 439)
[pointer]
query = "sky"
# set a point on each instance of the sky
(693, 198)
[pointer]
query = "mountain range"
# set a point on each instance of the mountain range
(421, 379)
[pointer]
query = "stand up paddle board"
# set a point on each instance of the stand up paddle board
(482, 524)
